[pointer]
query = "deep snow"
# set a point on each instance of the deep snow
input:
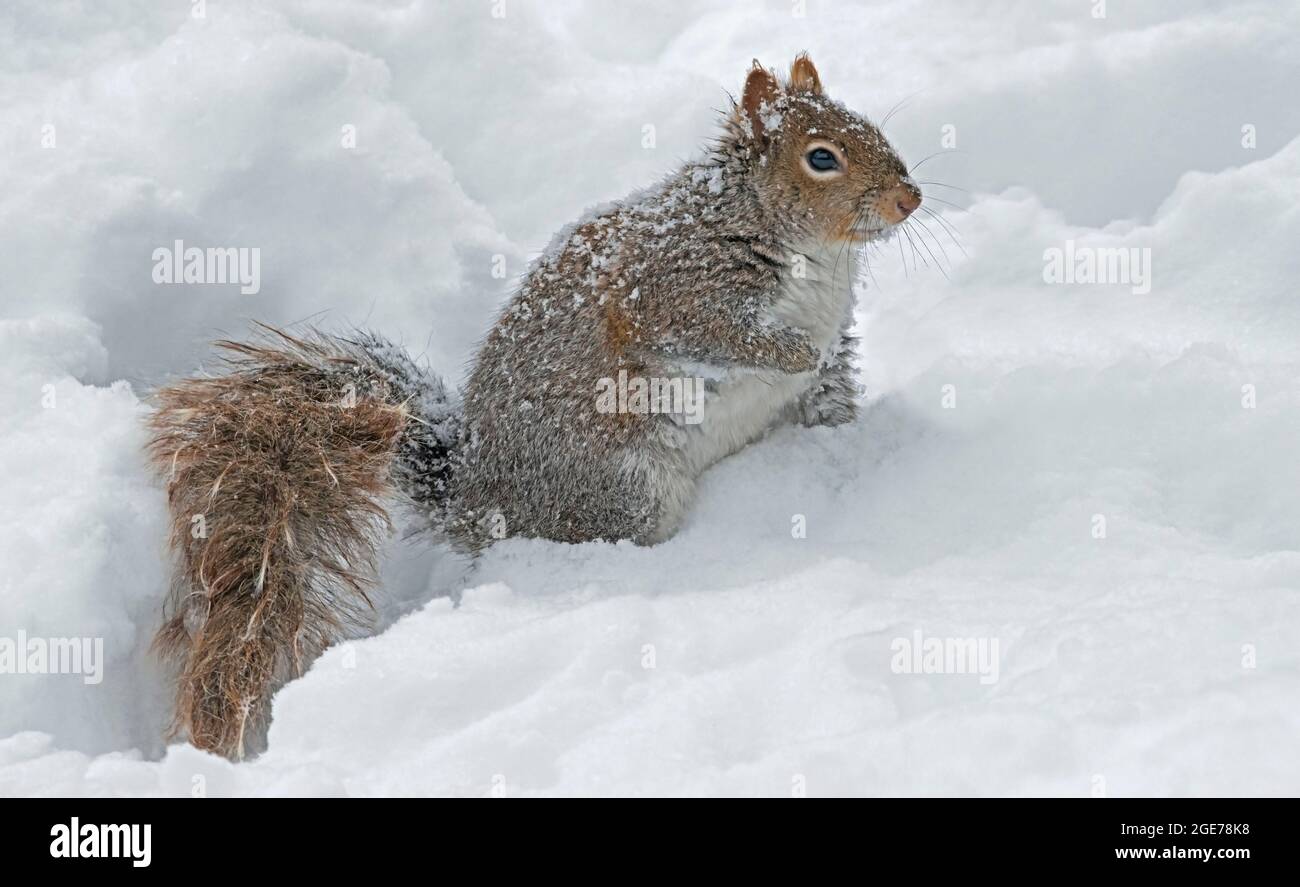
(1003, 416)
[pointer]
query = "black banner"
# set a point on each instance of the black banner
(138, 837)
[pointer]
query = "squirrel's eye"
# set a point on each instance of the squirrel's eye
(822, 160)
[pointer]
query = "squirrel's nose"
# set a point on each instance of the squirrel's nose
(899, 202)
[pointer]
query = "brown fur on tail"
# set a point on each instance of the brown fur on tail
(276, 473)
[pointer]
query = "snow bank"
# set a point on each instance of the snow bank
(1100, 481)
(237, 130)
(81, 537)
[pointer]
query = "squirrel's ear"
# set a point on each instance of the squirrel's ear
(761, 88)
(803, 76)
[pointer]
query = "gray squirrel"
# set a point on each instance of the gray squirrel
(652, 338)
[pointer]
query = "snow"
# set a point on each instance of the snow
(1005, 415)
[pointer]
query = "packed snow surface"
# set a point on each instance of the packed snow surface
(1100, 479)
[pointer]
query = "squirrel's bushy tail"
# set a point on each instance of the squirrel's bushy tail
(278, 475)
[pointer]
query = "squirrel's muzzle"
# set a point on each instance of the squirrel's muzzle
(897, 203)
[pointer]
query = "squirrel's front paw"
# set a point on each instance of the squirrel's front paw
(830, 408)
(832, 401)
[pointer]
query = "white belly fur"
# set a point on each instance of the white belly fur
(747, 403)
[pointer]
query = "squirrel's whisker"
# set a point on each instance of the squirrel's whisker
(898, 106)
(942, 185)
(926, 246)
(937, 241)
(947, 203)
(934, 155)
(912, 245)
(947, 226)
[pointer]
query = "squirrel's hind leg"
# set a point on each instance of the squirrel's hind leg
(665, 483)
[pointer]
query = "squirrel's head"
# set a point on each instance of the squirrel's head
(816, 163)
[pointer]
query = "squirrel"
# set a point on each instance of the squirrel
(730, 281)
